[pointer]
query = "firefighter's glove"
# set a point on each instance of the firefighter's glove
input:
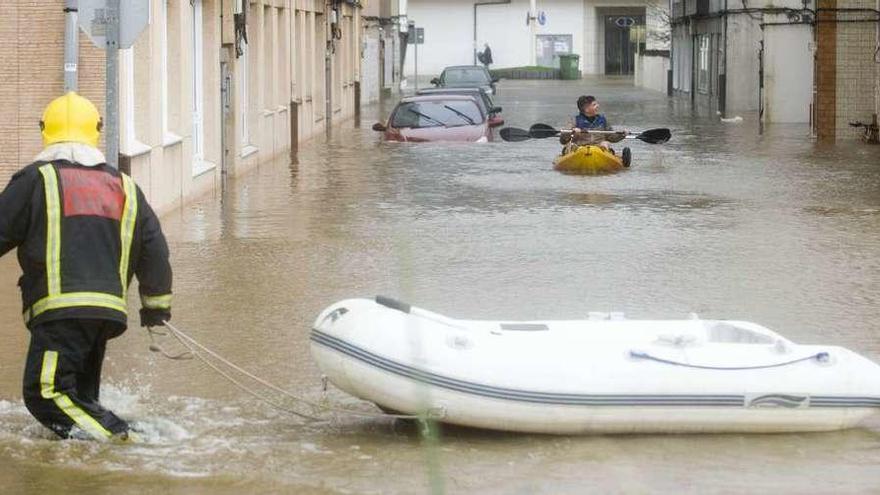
(152, 317)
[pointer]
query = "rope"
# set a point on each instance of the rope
(821, 357)
(194, 350)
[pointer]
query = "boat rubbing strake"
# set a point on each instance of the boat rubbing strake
(602, 374)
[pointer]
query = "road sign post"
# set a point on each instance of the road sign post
(416, 38)
(111, 25)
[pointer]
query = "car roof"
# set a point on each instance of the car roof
(448, 90)
(439, 97)
(464, 67)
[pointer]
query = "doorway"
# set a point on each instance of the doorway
(623, 34)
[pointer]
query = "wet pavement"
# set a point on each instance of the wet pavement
(722, 221)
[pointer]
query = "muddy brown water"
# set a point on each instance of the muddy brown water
(722, 221)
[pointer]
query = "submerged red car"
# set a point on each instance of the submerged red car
(436, 118)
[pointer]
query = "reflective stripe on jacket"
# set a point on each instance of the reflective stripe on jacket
(81, 233)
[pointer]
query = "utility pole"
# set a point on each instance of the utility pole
(533, 17)
(71, 52)
(416, 57)
(111, 25)
(111, 102)
(332, 22)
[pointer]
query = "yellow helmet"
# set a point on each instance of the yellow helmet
(71, 118)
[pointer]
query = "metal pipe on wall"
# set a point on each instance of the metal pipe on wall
(71, 47)
(111, 87)
(329, 22)
(533, 15)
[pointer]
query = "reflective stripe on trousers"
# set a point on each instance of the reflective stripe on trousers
(79, 417)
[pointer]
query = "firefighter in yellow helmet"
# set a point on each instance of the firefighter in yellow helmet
(82, 230)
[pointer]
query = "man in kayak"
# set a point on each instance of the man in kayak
(589, 119)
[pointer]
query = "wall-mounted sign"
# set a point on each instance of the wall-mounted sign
(416, 37)
(624, 22)
(134, 15)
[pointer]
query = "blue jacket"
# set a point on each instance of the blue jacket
(598, 122)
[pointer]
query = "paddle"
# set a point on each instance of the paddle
(541, 131)
(513, 134)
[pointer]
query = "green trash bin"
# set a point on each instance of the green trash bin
(568, 66)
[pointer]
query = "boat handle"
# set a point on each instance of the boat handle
(822, 357)
(393, 303)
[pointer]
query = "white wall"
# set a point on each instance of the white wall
(370, 66)
(449, 31)
(651, 72)
(743, 43)
(788, 72)
(682, 60)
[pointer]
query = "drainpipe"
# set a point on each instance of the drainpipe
(71, 54)
(533, 16)
(477, 4)
(330, 20)
(722, 103)
(671, 71)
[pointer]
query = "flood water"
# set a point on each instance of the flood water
(722, 221)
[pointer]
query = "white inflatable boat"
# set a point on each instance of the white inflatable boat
(603, 374)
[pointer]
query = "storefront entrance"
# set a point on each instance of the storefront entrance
(623, 34)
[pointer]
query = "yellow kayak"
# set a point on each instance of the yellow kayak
(590, 160)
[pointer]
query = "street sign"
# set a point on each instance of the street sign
(134, 15)
(419, 38)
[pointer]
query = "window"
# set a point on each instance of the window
(163, 67)
(464, 77)
(245, 94)
(267, 51)
(306, 38)
(436, 113)
(703, 63)
(198, 127)
(128, 128)
(126, 62)
(319, 66)
(296, 59)
(169, 73)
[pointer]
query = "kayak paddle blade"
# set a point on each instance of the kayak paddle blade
(541, 131)
(514, 135)
(655, 136)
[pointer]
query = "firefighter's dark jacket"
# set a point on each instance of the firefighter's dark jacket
(82, 233)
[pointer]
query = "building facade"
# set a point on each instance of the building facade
(789, 61)
(847, 83)
(606, 34)
(739, 56)
(384, 39)
(210, 89)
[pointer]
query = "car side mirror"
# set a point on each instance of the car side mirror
(496, 110)
(435, 81)
(379, 127)
(495, 80)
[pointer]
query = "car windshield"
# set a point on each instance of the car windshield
(436, 113)
(476, 76)
(481, 97)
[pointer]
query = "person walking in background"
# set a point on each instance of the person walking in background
(485, 56)
(82, 230)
